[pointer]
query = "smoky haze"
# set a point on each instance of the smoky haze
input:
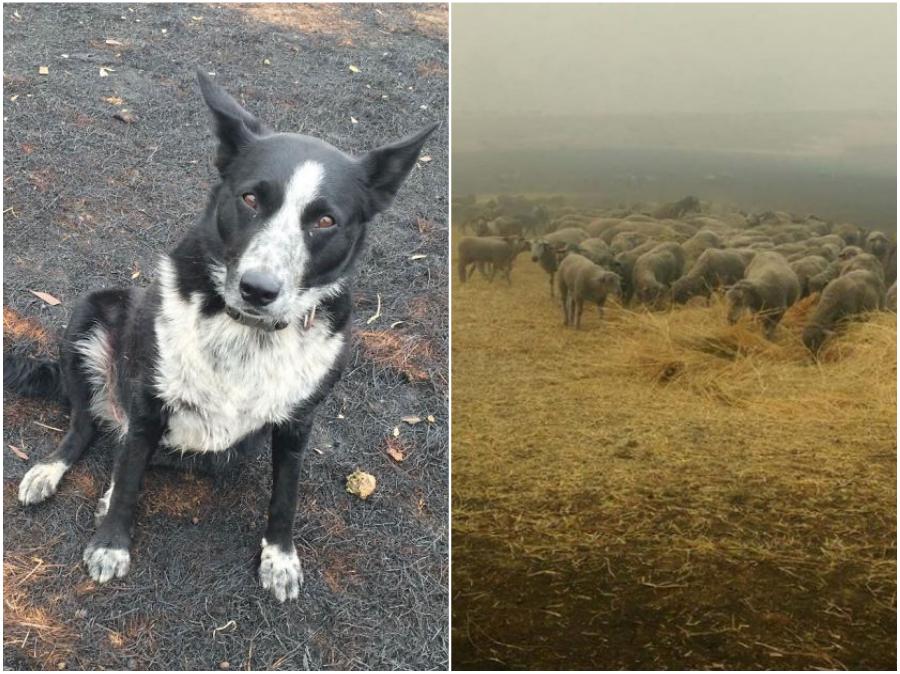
(769, 106)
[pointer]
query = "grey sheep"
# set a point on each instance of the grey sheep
(596, 250)
(578, 280)
(656, 270)
(624, 263)
(807, 267)
(768, 288)
(564, 236)
(850, 294)
(702, 240)
(548, 256)
(865, 261)
(488, 250)
(712, 270)
(890, 300)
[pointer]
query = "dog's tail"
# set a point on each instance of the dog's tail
(32, 377)
(28, 369)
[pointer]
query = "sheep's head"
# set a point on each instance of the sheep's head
(742, 295)
(814, 336)
(684, 289)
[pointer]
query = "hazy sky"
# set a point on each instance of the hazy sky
(673, 58)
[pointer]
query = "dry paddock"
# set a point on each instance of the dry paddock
(662, 490)
(92, 201)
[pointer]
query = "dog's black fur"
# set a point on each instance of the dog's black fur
(295, 209)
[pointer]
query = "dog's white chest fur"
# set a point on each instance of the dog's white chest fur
(221, 380)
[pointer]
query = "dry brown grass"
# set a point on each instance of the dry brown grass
(28, 626)
(407, 354)
(327, 20)
(17, 328)
(663, 490)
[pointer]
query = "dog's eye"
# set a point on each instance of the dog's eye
(325, 222)
(250, 199)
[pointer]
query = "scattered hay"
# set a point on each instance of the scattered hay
(666, 490)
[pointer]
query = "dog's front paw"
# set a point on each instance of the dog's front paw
(41, 482)
(280, 571)
(106, 560)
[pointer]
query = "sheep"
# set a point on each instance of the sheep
(850, 294)
(768, 288)
(877, 243)
(678, 209)
(505, 226)
(702, 240)
(626, 240)
(890, 300)
(580, 279)
(625, 263)
(596, 250)
(656, 270)
(596, 227)
(805, 268)
(713, 269)
(561, 237)
(548, 256)
(499, 253)
(865, 261)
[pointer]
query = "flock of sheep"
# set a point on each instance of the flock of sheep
(764, 262)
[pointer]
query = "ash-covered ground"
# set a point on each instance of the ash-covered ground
(91, 201)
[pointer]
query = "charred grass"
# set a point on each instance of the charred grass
(663, 490)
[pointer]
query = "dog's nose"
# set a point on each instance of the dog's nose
(259, 288)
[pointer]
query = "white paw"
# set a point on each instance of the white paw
(280, 572)
(41, 482)
(106, 563)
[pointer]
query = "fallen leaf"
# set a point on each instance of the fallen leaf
(396, 431)
(361, 484)
(395, 453)
(418, 257)
(425, 158)
(197, 18)
(18, 452)
(124, 115)
(430, 418)
(267, 62)
(135, 274)
(43, 70)
(12, 98)
(113, 100)
(353, 120)
(412, 421)
(47, 297)
(104, 72)
(340, 416)
(113, 43)
(354, 69)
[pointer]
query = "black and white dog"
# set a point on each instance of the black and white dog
(244, 331)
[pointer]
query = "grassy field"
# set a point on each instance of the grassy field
(663, 490)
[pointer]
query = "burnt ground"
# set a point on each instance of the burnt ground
(91, 202)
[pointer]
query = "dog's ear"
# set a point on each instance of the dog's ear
(235, 127)
(387, 167)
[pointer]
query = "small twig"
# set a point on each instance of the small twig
(377, 315)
